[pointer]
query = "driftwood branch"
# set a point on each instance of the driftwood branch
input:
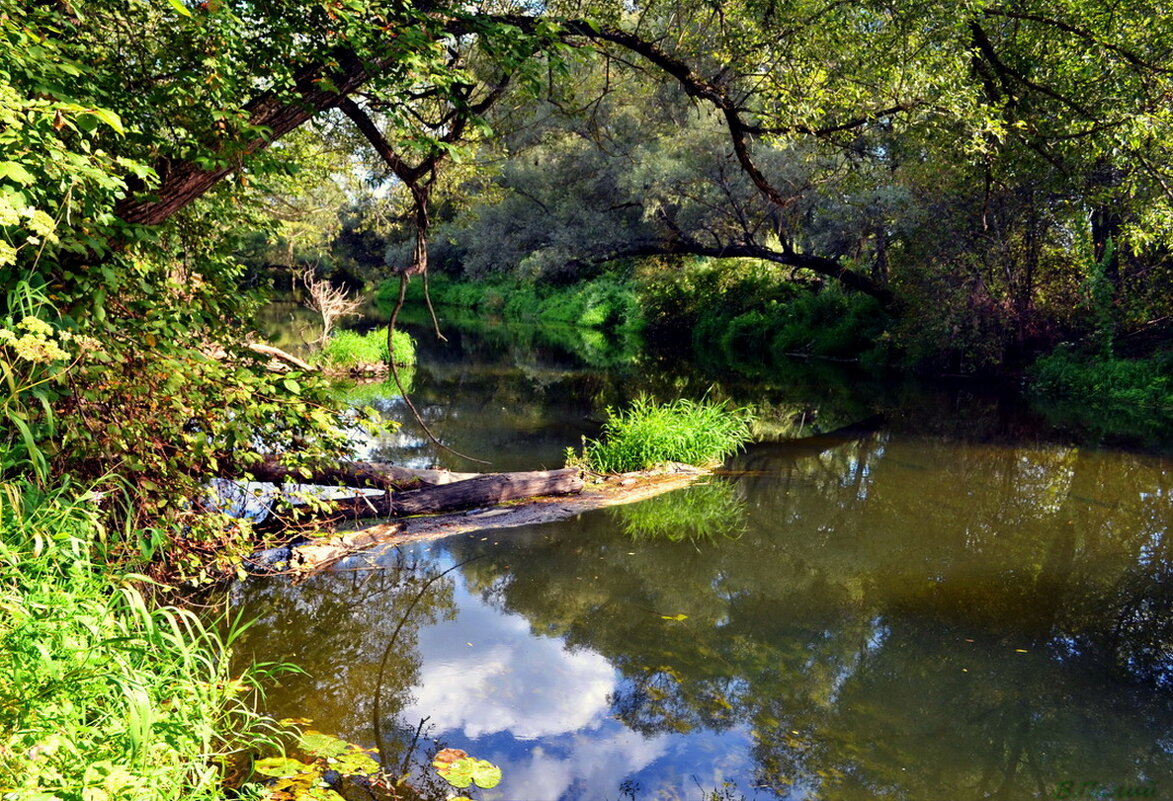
(277, 353)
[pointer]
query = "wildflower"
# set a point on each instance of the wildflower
(34, 348)
(7, 254)
(6, 336)
(36, 326)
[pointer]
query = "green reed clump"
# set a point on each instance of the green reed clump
(648, 434)
(349, 348)
(103, 696)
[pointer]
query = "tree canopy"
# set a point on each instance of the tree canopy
(978, 160)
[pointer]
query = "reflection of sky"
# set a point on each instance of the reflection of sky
(543, 714)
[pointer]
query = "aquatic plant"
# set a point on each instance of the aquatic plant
(648, 434)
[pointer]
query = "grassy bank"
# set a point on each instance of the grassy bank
(1107, 396)
(103, 696)
(603, 303)
(747, 311)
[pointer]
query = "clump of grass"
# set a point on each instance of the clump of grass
(347, 349)
(648, 434)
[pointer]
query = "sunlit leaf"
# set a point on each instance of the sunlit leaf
(281, 767)
(317, 744)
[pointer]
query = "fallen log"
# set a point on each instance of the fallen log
(281, 356)
(483, 490)
(323, 553)
(379, 475)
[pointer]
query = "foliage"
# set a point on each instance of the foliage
(1107, 395)
(101, 696)
(462, 771)
(292, 779)
(350, 348)
(648, 434)
(606, 302)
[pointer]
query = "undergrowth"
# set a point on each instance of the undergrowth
(1108, 397)
(101, 695)
(649, 434)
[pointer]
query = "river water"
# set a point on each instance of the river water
(900, 592)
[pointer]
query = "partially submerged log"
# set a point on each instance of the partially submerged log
(614, 490)
(378, 475)
(484, 490)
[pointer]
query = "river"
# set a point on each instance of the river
(899, 592)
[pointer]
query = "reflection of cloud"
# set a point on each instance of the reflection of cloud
(591, 766)
(506, 680)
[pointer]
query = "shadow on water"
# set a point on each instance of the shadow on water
(948, 603)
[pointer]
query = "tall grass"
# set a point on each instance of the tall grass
(102, 696)
(347, 349)
(649, 434)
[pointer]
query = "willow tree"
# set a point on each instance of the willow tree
(117, 117)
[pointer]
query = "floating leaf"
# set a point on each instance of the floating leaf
(281, 767)
(485, 774)
(674, 617)
(317, 744)
(446, 757)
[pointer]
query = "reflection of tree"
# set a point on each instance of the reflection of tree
(336, 627)
(903, 618)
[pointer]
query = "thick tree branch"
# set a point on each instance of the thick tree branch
(831, 268)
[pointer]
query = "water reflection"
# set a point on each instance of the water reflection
(966, 614)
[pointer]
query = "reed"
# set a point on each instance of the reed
(648, 434)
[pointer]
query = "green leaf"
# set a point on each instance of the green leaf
(180, 8)
(291, 385)
(674, 617)
(16, 173)
(106, 116)
(485, 774)
(281, 767)
(317, 744)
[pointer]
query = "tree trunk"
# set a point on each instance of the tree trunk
(378, 475)
(484, 490)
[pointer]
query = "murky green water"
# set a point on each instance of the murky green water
(947, 602)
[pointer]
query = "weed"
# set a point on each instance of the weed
(102, 696)
(349, 348)
(647, 434)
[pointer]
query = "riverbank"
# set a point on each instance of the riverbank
(103, 693)
(750, 321)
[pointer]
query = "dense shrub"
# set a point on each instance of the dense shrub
(1106, 382)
